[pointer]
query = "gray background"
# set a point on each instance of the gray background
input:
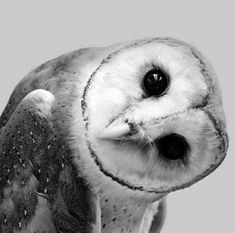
(32, 32)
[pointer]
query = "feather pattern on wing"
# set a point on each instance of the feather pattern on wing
(40, 189)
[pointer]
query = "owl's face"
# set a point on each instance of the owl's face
(154, 116)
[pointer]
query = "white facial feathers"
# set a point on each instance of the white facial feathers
(124, 123)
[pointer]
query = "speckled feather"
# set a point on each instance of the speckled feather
(40, 188)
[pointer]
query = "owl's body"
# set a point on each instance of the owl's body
(108, 126)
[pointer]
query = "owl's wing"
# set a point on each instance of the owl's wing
(40, 189)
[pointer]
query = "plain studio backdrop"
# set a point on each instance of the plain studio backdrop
(32, 32)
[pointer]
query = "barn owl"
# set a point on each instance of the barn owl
(94, 140)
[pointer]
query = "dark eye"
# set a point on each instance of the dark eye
(155, 82)
(172, 146)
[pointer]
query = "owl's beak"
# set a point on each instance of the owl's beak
(115, 131)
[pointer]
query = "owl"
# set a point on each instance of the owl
(94, 140)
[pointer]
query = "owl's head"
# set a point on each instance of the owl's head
(154, 117)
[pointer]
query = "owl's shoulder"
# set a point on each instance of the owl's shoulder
(57, 75)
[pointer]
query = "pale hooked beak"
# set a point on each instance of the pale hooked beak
(116, 131)
(121, 129)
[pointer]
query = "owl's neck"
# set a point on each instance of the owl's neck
(124, 214)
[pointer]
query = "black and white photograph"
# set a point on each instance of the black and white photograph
(117, 116)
